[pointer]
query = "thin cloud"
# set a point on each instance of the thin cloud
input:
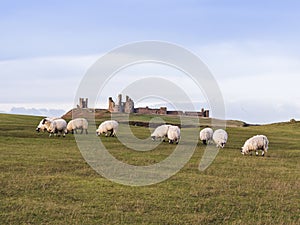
(40, 79)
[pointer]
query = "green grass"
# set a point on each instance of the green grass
(46, 180)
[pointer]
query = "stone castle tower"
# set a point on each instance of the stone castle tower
(111, 104)
(83, 103)
(129, 105)
(122, 107)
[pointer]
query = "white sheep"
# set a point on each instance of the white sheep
(108, 125)
(78, 123)
(206, 135)
(255, 143)
(220, 138)
(56, 126)
(173, 134)
(160, 132)
(42, 126)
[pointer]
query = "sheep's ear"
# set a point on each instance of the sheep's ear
(44, 120)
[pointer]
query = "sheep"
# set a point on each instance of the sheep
(206, 135)
(220, 138)
(42, 126)
(108, 125)
(56, 126)
(255, 143)
(78, 123)
(160, 132)
(173, 134)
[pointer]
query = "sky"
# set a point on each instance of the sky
(252, 48)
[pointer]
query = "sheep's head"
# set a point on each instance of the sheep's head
(98, 132)
(41, 126)
(223, 144)
(244, 151)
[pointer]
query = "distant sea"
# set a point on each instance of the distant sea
(37, 112)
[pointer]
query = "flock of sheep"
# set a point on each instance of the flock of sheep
(219, 137)
(57, 126)
(60, 126)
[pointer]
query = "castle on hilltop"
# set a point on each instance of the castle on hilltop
(128, 107)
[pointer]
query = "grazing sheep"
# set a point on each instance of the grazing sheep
(206, 135)
(56, 126)
(174, 134)
(220, 138)
(160, 132)
(78, 123)
(255, 143)
(108, 125)
(42, 126)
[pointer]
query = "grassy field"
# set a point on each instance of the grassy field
(46, 181)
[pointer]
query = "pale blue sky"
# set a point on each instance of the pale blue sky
(252, 48)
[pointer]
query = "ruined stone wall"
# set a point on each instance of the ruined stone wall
(147, 110)
(129, 105)
(111, 104)
(83, 103)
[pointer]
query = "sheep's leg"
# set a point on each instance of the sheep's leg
(112, 133)
(81, 131)
(86, 131)
(256, 153)
(164, 138)
(263, 153)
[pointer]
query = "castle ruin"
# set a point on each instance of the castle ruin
(121, 107)
(128, 107)
(83, 103)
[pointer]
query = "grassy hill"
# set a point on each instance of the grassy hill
(46, 180)
(140, 119)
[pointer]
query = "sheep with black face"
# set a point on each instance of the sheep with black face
(220, 137)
